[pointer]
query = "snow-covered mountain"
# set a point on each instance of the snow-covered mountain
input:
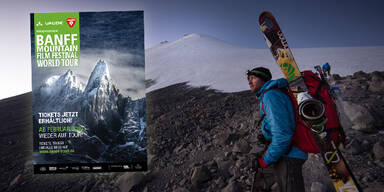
(99, 77)
(57, 90)
(100, 97)
(203, 60)
(110, 119)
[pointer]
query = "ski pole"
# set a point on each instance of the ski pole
(254, 180)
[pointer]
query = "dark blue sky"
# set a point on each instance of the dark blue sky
(316, 23)
(305, 23)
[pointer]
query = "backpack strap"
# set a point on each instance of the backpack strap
(262, 107)
(262, 104)
(286, 92)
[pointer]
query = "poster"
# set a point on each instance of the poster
(88, 87)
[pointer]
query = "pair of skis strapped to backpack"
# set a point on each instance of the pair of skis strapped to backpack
(310, 109)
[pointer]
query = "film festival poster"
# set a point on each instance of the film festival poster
(88, 92)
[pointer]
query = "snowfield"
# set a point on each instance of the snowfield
(202, 60)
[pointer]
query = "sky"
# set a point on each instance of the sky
(306, 24)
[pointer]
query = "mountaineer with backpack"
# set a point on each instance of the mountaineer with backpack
(289, 136)
(278, 126)
(326, 70)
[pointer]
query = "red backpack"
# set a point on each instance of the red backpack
(318, 89)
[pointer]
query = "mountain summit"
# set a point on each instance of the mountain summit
(202, 60)
(99, 76)
(111, 121)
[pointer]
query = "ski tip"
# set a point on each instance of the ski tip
(266, 12)
(264, 15)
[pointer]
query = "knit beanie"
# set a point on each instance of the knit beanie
(261, 72)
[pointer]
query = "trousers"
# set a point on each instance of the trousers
(288, 174)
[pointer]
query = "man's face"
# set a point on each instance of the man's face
(255, 83)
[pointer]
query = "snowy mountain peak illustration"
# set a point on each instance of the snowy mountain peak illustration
(99, 76)
(70, 79)
(66, 85)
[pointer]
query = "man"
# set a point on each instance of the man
(327, 69)
(278, 126)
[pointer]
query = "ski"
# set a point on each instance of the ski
(340, 173)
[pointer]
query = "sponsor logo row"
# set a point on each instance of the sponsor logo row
(89, 168)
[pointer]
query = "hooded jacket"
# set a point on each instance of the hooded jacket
(278, 124)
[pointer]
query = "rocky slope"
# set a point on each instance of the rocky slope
(201, 140)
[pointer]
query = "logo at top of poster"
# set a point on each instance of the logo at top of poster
(71, 21)
(39, 24)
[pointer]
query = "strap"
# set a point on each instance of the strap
(334, 129)
(285, 91)
(316, 95)
(261, 119)
(341, 136)
(262, 106)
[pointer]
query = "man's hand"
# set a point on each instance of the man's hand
(261, 163)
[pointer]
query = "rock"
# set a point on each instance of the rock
(377, 83)
(151, 159)
(365, 145)
(368, 177)
(241, 147)
(378, 150)
(235, 171)
(28, 164)
(220, 182)
(375, 188)
(224, 168)
(274, 186)
(318, 187)
(360, 116)
(360, 74)
(222, 138)
(200, 175)
(10, 142)
(253, 138)
(233, 186)
(181, 189)
(335, 77)
(15, 180)
(380, 164)
(241, 163)
(212, 164)
(257, 149)
(129, 180)
(178, 149)
(354, 147)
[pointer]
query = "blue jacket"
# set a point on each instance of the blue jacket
(279, 123)
(326, 66)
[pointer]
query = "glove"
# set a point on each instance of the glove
(261, 164)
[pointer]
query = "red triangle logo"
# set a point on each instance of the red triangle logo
(71, 21)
